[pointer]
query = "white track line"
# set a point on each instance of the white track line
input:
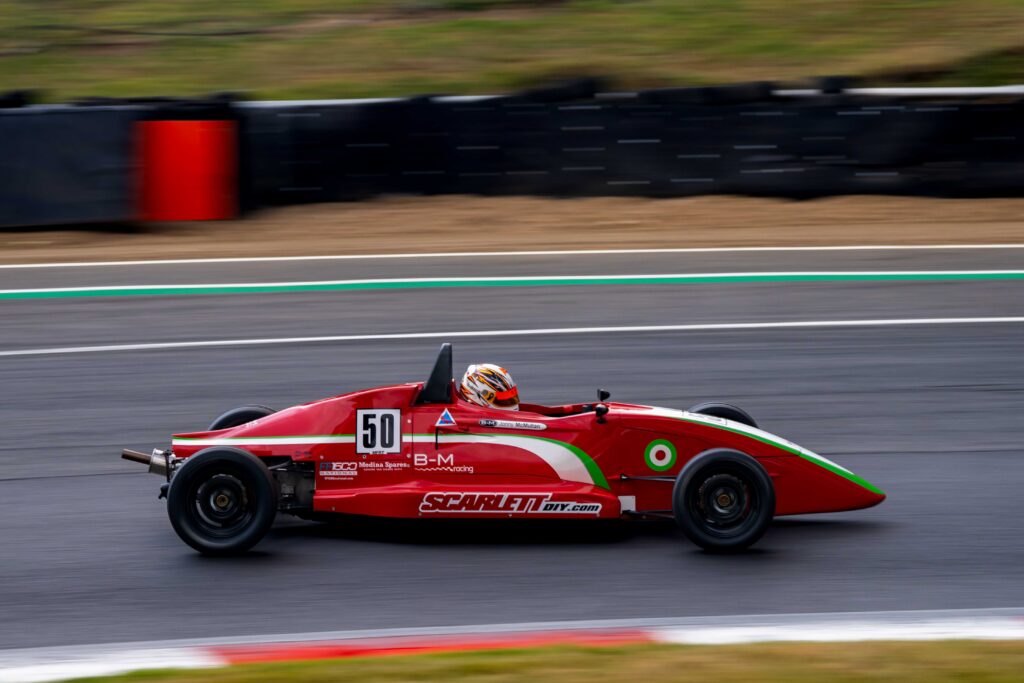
(625, 277)
(474, 254)
(535, 332)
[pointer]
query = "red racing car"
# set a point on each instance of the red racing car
(420, 450)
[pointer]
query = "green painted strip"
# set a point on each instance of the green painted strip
(356, 285)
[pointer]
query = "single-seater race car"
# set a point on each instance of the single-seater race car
(418, 450)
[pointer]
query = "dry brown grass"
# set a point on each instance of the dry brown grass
(458, 223)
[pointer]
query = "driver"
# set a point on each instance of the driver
(490, 386)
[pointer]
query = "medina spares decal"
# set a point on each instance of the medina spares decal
(503, 504)
(383, 466)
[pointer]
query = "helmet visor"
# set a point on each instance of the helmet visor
(506, 399)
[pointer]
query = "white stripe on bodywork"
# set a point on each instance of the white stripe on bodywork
(731, 425)
(566, 464)
(265, 441)
(562, 460)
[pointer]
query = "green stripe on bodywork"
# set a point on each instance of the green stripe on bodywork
(724, 278)
(843, 473)
(860, 481)
(588, 462)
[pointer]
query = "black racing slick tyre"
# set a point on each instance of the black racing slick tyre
(724, 410)
(723, 500)
(222, 501)
(239, 416)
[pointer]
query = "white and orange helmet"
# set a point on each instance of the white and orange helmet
(490, 386)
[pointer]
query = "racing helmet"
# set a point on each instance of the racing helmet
(490, 386)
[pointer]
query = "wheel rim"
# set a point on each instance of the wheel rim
(724, 503)
(221, 504)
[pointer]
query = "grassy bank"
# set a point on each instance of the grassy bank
(356, 48)
(992, 662)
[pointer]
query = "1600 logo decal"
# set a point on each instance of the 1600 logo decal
(338, 470)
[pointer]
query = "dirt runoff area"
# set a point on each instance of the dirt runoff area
(463, 223)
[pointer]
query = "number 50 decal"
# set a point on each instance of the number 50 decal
(379, 431)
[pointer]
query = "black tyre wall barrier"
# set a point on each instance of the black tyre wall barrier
(665, 143)
(78, 164)
(66, 165)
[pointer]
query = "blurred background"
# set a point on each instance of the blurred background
(290, 49)
(162, 164)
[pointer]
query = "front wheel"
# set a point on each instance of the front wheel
(723, 500)
(239, 416)
(222, 501)
(724, 410)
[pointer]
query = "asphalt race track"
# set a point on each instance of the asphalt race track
(930, 413)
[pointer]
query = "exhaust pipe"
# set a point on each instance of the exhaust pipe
(135, 456)
(159, 462)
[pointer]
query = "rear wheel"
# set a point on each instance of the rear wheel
(222, 501)
(239, 416)
(724, 410)
(723, 500)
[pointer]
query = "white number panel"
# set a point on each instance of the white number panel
(379, 432)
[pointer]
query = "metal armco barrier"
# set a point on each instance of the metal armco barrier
(71, 164)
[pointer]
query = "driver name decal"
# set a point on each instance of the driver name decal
(514, 424)
(504, 504)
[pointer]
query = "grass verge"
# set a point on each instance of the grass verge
(960, 661)
(359, 48)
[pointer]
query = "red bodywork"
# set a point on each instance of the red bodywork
(378, 452)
